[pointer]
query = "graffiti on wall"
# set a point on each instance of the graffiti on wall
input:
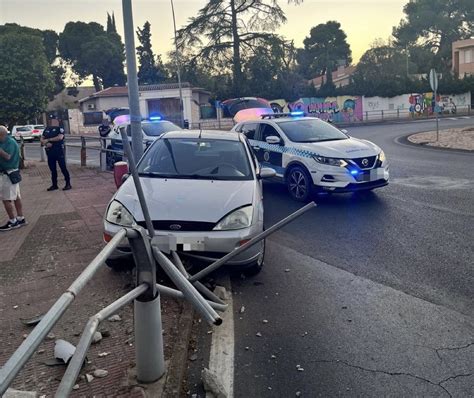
(424, 104)
(334, 109)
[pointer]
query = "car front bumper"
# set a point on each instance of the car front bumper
(339, 179)
(207, 246)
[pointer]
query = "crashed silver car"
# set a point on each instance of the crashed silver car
(204, 194)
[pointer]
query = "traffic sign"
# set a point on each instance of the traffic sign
(433, 80)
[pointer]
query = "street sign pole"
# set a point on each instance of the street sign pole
(132, 81)
(434, 87)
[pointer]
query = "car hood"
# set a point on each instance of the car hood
(350, 148)
(189, 200)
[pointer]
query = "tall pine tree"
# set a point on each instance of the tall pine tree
(151, 69)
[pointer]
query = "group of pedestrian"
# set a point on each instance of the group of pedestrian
(53, 142)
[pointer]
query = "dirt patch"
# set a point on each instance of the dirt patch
(456, 138)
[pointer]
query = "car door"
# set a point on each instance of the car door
(270, 155)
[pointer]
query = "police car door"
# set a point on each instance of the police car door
(270, 155)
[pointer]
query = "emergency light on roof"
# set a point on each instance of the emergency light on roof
(277, 115)
(155, 118)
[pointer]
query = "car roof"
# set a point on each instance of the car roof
(281, 119)
(205, 134)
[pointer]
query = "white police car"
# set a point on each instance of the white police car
(152, 128)
(309, 155)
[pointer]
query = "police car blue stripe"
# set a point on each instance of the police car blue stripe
(282, 149)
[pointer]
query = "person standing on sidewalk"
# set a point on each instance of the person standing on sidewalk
(10, 181)
(53, 141)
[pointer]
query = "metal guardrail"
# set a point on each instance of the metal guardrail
(146, 296)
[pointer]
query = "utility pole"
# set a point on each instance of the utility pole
(178, 68)
(406, 52)
(132, 80)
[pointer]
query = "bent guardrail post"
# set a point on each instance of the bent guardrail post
(77, 360)
(212, 267)
(189, 291)
(138, 186)
(198, 285)
(34, 339)
(168, 291)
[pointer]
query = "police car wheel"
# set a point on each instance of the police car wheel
(299, 184)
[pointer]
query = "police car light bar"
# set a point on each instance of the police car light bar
(288, 114)
(155, 118)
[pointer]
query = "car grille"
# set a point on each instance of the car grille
(184, 226)
(371, 162)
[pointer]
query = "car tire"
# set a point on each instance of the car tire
(299, 184)
(121, 263)
(256, 267)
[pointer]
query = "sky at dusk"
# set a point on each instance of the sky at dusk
(362, 20)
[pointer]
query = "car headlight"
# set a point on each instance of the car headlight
(118, 214)
(382, 157)
(238, 219)
(330, 161)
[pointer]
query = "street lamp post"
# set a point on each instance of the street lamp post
(178, 68)
(132, 80)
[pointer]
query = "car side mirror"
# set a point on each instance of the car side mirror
(266, 172)
(120, 173)
(273, 139)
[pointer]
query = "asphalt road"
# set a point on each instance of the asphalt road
(370, 296)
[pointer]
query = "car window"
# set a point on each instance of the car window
(249, 130)
(23, 128)
(311, 130)
(267, 131)
(39, 127)
(197, 159)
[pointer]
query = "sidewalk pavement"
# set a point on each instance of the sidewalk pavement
(38, 262)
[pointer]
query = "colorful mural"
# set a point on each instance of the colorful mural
(334, 109)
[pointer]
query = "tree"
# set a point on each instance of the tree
(111, 27)
(325, 46)
(90, 51)
(382, 70)
(226, 31)
(25, 77)
(151, 69)
(435, 24)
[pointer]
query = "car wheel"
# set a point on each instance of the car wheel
(255, 268)
(299, 184)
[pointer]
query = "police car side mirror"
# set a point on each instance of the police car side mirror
(266, 172)
(273, 139)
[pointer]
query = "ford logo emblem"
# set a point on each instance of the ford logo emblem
(365, 162)
(175, 227)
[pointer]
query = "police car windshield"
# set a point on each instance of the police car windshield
(311, 130)
(196, 159)
(155, 129)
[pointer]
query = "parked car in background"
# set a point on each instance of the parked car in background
(204, 195)
(151, 129)
(310, 155)
(37, 130)
(25, 132)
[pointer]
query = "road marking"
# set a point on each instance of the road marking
(464, 117)
(221, 359)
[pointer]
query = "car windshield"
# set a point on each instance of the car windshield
(311, 130)
(155, 129)
(196, 159)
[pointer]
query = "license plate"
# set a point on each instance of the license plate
(167, 243)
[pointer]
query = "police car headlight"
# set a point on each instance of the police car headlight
(330, 161)
(118, 214)
(382, 157)
(238, 219)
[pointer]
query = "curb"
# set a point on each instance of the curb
(393, 121)
(178, 363)
(403, 140)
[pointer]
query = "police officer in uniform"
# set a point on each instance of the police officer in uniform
(53, 141)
